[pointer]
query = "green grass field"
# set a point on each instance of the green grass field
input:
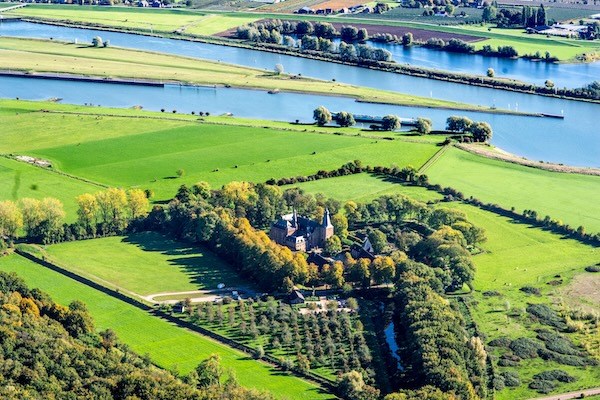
(568, 197)
(150, 158)
(363, 188)
(167, 345)
(192, 22)
(19, 180)
(145, 263)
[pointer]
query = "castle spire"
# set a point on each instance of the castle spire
(295, 217)
(326, 219)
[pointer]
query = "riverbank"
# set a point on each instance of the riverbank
(505, 84)
(40, 58)
(499, 154)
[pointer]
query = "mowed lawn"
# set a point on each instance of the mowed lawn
(572, 198)
(363, 188)
(220, 154)
(167, 345)
(19, 180)
(146, 263)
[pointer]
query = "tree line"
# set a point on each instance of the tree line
(43, 221)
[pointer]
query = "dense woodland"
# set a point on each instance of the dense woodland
(48, 350)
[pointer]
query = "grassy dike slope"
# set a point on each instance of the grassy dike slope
(168, 346)
(572, 198)
(33, 55)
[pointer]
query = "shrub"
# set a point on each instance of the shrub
(509, 360)
(555, 375)
(593, 268)
(500, 342)
(492, 293)
(498, 382)
(558, 343)
(531, 290)
(546, 316)
(525, 347)
(511, 378)
(542, 386)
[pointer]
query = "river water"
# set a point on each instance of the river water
(573, 140)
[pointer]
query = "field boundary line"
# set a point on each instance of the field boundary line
(65, 174)
(433, 159)
(321, 382)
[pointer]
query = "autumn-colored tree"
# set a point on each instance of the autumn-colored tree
(11, 219)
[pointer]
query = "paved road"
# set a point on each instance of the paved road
(571, 395)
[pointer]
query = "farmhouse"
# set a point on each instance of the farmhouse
(301, 233)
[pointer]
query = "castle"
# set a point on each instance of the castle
(301, 233)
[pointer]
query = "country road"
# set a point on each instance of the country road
(571, 395)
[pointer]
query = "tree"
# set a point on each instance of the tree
(97, 41)
(210, 371)
(112, 204)
(347, 52)
(348, 34)
(449, 9)
(322, 116)
(304, 28)
(360, 272)
(87, 210)
(201, 189)
(489, 13)
(11, 219)
(344, 119)
(423, 125)
(490, 72)
(458, 124)
(333, 245)
(334, 274)
(180, 172)
(384, 269)
(362, 35)
(353, 387)
(278, 69)
(407, 39)
(481, 131)
(138, 203)
(549, 84)
(378, 240)
(32, 215)
(541, 15)
(390, 123)
(340, 225)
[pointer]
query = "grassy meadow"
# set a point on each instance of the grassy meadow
(147, 153)
(167, 345)
(143, 19)
(19, 180)
(46, 56)
(145, 263)
(568, 197)
(517, 255)
(363, 188)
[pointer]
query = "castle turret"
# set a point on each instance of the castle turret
(327, 220)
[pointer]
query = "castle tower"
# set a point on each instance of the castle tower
(325, 230)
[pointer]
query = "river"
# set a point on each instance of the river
(574, 140)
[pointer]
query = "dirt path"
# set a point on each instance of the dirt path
(571, 395)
